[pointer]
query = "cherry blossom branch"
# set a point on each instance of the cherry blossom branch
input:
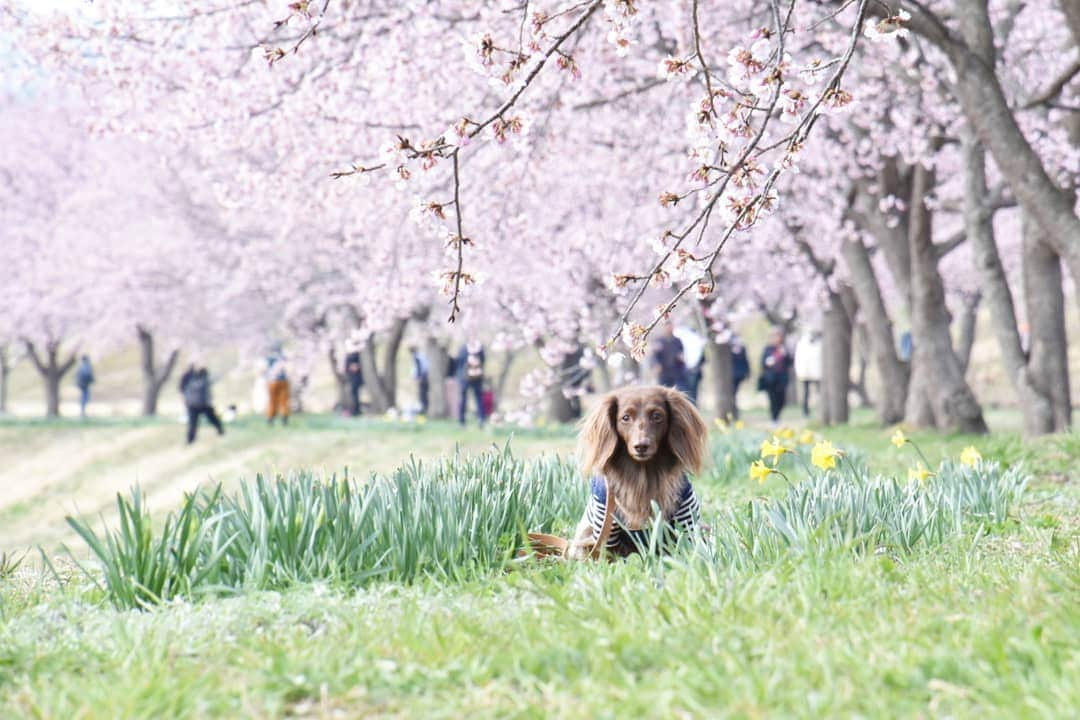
(466, 128)
(638, 334)
(454, 307)
(301, 8)
(701, 58)
(702, 216)
(592, 8)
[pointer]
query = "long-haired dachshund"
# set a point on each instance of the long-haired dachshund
(639, 444)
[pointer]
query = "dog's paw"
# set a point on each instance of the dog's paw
(579, 551)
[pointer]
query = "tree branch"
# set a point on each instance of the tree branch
(949, 244)
(1053, 89)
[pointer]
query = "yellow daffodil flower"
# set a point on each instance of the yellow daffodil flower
(824, 455)
(772, 448)
(420, 419)
(970, 456)
(898, 439)
(786, 433)
(759, 471)
(919, 472)
(722, 425)
(807, 438)
(739, 425)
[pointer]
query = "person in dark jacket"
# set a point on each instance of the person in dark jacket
(195, 387)
(470, 376)
(776, 364)
(84, 378)
(354, 375)
(740, 370)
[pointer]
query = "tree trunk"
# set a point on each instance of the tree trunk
(153, 379)
(892, 239)
(52, 372)
(5, 372)
(938, 396)
(966, 341)
(862, 342)
(722, 377)
(390, 354)
(836, 362)
(1048, 358)
(382, 386)
(569, 377)
(978, 220)
(892, 372)
(341, 380)
(438, 362)
(504, 373)
(380, 401)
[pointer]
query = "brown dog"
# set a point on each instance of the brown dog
(642, 441)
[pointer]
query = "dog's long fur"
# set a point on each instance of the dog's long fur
(637, 484)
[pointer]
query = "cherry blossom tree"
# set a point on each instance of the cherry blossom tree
(537, 159)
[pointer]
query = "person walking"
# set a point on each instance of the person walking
(84, 378)
(808, 362)
(277, 378)
(195, 388)
(668, 360)
(354, 375)
(776, 364)
(470, 376)
(420, 374)
(740, 370)
(694, 358)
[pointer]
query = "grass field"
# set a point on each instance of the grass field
(982, 620)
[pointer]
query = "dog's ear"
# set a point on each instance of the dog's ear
(599, 439)
(687, 432)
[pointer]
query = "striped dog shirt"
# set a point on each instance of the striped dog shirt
(685, 516)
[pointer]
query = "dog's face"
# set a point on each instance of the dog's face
(644, 424)
(641, 421)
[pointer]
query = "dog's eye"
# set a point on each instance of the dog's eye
(657, 417)
(626, 418)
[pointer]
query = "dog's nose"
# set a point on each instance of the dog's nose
(641, 448)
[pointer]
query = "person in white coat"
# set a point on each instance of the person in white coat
(693, 357)
(808, 364)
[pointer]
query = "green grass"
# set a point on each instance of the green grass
(830, 614)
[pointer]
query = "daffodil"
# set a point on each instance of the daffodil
(772, 448)
(421, 419)
(919, 472)
(807, 438)
(899, 438)
(759, 471)
(824, 455)
(722, 425)
(786, 433)
(970, 456)
(739, 425)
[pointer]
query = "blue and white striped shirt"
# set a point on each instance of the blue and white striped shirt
(685, 516)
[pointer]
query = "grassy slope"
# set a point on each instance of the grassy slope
(987, 625)
(53, 469)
